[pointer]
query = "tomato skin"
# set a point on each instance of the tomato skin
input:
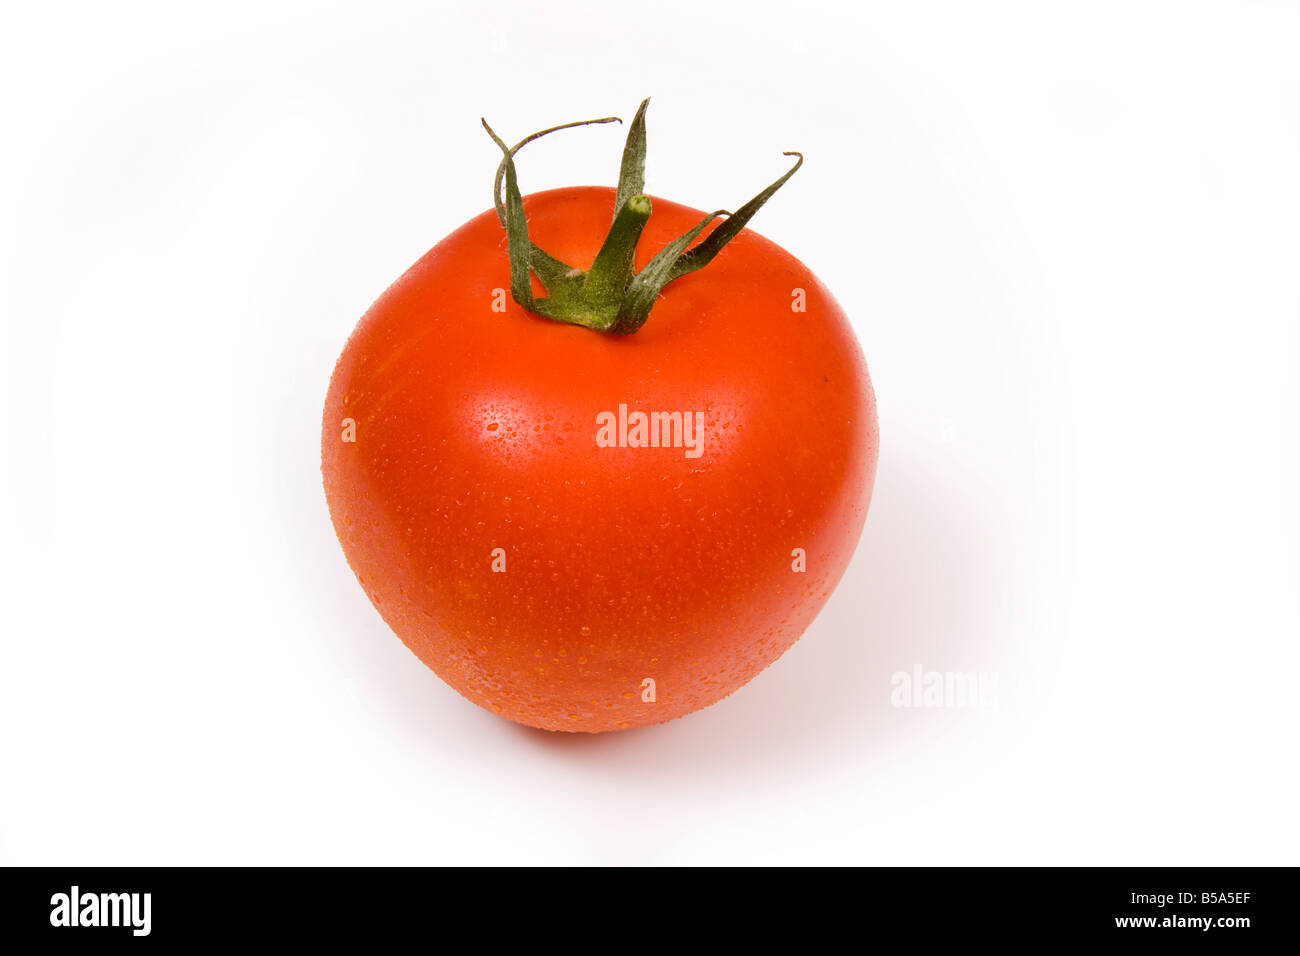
(476, 430)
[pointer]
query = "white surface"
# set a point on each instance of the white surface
(1068, 236)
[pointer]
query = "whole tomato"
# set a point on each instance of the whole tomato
(614, 504)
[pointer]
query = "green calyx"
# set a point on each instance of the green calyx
(610, 296)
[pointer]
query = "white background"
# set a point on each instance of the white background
(1068, 236)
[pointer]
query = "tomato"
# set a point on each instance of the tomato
(502, 503)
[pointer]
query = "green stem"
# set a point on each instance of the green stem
(613, 268)
(610, 296)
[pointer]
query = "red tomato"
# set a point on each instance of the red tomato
(543, 563)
